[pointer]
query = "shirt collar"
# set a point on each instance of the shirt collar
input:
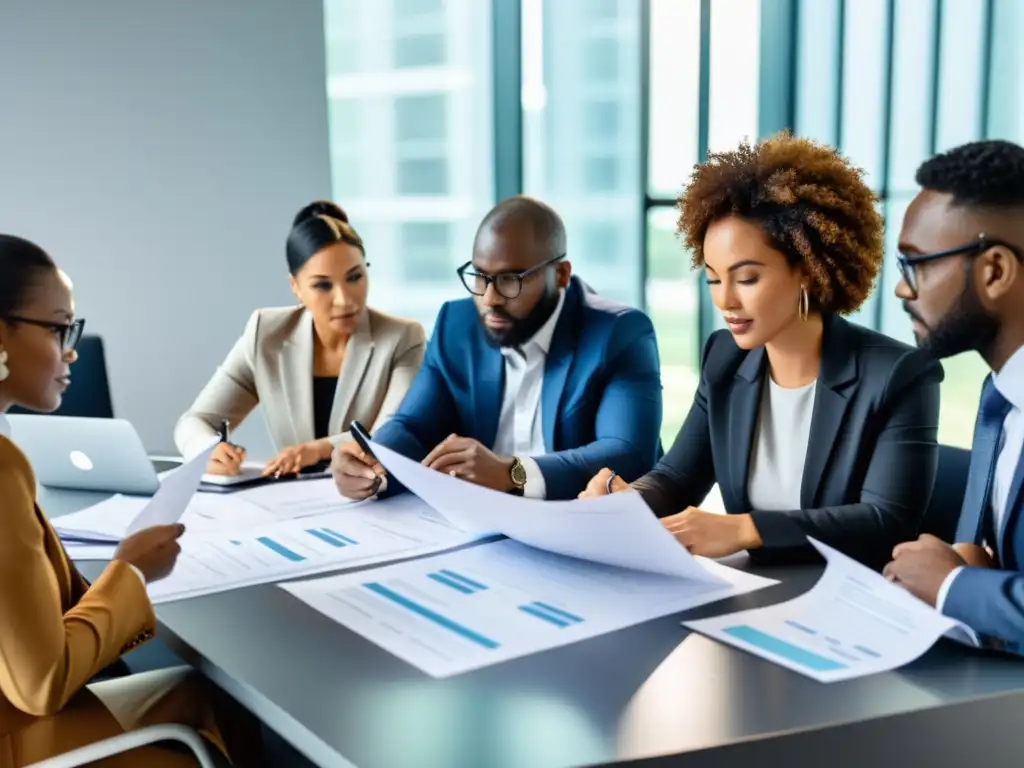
(5, 427)
(1010, 379)
(542, 338)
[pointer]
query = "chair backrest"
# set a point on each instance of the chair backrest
(89, 393)
(943, 513)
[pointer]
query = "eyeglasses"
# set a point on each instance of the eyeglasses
(508, 284)
(907, 264)
(69, 334)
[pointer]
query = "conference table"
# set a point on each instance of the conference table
(653, 694)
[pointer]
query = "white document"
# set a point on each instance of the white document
(81, 552)
(297, 498)
(475, 607)
(249, 471)
(172, 497)
(619, 529)
(108, 521)
(219, 561)
(105, 522)
(852, 623)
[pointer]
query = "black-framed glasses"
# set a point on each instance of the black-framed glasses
(69, 334)
(508, 284)
(907, 264)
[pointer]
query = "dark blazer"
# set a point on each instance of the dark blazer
(600, 402)
(991, 600)
(871, 453)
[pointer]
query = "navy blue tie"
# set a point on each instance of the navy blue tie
(975, 514)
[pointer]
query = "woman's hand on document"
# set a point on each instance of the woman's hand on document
(709, 534)
(599, 485)
(296, 458)
(226, 459)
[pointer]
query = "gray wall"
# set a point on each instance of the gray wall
(158, 151)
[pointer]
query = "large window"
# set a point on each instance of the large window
(618, 99)
(409, 92)
(581, 133)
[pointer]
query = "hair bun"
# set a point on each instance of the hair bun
(321, 208)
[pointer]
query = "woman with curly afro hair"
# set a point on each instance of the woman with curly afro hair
(810, 425)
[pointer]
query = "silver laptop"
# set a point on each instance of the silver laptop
(85, 454)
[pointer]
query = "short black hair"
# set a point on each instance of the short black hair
(983, 174)
(22, 264)
(547, 225)
(316, 226)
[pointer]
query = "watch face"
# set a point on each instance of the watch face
(518, 474)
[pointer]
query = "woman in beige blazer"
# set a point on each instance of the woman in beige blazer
(57, 631)
(315, 367)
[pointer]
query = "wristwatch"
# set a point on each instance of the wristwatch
(517, 473)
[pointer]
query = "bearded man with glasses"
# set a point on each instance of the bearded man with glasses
(963, 286)
(532, 384)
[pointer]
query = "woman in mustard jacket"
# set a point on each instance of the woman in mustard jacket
(56, 630)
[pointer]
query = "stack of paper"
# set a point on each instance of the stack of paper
(93, 533)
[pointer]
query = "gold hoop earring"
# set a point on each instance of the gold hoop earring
(804, 306)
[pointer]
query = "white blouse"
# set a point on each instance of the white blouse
(780, 449)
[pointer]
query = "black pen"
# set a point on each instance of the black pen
(362, 438)
(224, 430)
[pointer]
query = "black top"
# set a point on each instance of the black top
(324, 388)
(871, 455)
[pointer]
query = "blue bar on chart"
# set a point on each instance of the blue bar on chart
(476, 585)
(343, 537)
(561, 613)
(801, 627)
(867, 651)
(458, 586)
(431, 615)
(326, 537)
(774, 645)
(280, 549)
(544, 616)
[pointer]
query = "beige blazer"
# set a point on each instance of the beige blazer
(272, 365)
(56, 631)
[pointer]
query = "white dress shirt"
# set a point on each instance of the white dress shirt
(1010, 383)
(780, 449)
(5, 430)
(520, 426)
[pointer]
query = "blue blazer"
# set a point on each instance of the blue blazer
(991, 601)
(600, 401)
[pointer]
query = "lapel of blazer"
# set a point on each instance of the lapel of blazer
(67, 575)
(297, 380)
(558, 362)
(743, 406)
(1006, 550)
(353, 369)
(837, 371)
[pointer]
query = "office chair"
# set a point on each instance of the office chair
(943, 513)
(89, 393)
(117, 745)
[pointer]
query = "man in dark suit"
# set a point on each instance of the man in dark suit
(961, 251)
(531, 385)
